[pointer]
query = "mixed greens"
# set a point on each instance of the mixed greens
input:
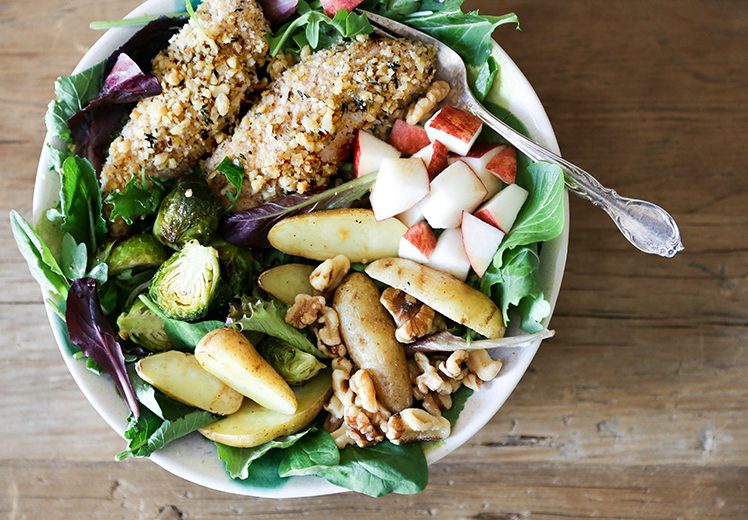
(189, 267)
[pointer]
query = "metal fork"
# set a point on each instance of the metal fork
(647, 226)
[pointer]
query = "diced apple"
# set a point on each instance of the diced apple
(369, 152)
(434, 156)
(454, 190)
(417, 243)
(481, 240)
(401, 183)
(408, 138)
(504, 165)
(449, 255)
(333, 6)
(502, 210)
(412, 216)
(479, 157)
(456, 129)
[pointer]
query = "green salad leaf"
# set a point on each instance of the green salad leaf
(140, 198)
(234, 173)
(238, 460)
(80, 203)
(459, 398)
(267, 318)
(375, 470)
(183, 335)
(72, 93)
(485, 78)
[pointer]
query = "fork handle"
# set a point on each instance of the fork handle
(647, 226)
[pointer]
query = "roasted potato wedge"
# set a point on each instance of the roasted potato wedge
(231, 357)
(286, 281)
(253, 425)
(180, 376)
(369, 334)
(354, 233)
(442, 292)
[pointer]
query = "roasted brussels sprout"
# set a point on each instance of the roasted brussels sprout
(188, 212)
(185, 285)
(291, 363)
(143, 327)
(138, 253)
(237, 267)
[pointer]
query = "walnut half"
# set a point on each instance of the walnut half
(414, 424)
(305, 310)
(413, 319)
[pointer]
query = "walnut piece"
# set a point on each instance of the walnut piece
(363, 387)
(328, 334)
(328, 275)
(454, 365)
(305, 310)
(363, 430)
(413, 319)
(430, 379)
(278, 64)
(483, 365)
(414, 424)
(341, 437)
(425, 106)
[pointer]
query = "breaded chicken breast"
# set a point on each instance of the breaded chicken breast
(303, 126)
(206, 72)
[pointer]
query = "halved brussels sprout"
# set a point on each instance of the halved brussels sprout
(237, 267)
(138, 252)
(185, 285)
(188, 212)
(292, 364)
(143, 327)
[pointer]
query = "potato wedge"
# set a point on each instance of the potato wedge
(286, 281)
(231, 357)
(369, 334)
(180, 376)
(253, 425)
(442, 292)
(354, 233)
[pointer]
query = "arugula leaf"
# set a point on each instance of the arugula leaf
(375, 471)
(542, 216)
(80, 203)
(238, 460)
(150, 433)
(140, 199)
(184, 335)
(265, 317)
(234, 173)
(42, 264)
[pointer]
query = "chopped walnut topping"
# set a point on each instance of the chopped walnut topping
(483, 365)
(363, 387)
(328, 275)
(414, 424)
(305, 310)
(454, 365)
(328, 334)
(363, 430)
(425, 106)
(430, 378)
(413, 318)
(279, 63)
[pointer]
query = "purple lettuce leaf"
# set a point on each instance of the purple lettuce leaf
(89, 329)
(249, 228)
(278, 11)
(143, 46)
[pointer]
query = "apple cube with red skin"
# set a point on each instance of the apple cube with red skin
(478, 158)
(502, 210)
(417, 243)
(453, 191)
(481, 240)
(369, 152)
(435, 157)
(333, 6)
(412, 216)
(449, 254)
(400, 184)
(408, 138)
(504, 165)
(455, 129)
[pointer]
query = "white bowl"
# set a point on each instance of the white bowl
(193, 457)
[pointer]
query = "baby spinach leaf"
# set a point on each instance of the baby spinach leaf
(459, 398)
(234, 173)
(80, 203)
(238, 460)
(266, 318)
(542, 216)
(310, 455)
(140, 199)
(42, 264)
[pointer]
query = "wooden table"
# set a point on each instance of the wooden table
(638, 408)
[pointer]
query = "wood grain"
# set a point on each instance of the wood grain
(638, 408)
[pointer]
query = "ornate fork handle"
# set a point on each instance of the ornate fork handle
(647, 226)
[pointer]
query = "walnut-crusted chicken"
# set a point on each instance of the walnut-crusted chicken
(206, 73)
(294, 137)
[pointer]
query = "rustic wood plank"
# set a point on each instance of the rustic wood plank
(637, 409)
